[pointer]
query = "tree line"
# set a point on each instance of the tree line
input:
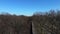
(45, 23)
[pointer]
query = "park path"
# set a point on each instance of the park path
(33, 28)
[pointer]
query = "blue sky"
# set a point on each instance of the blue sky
(28, 7)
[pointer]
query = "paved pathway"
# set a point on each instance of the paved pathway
(33, 29)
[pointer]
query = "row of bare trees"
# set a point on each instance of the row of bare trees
(45, 23)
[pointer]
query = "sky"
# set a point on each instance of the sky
(28, 7)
